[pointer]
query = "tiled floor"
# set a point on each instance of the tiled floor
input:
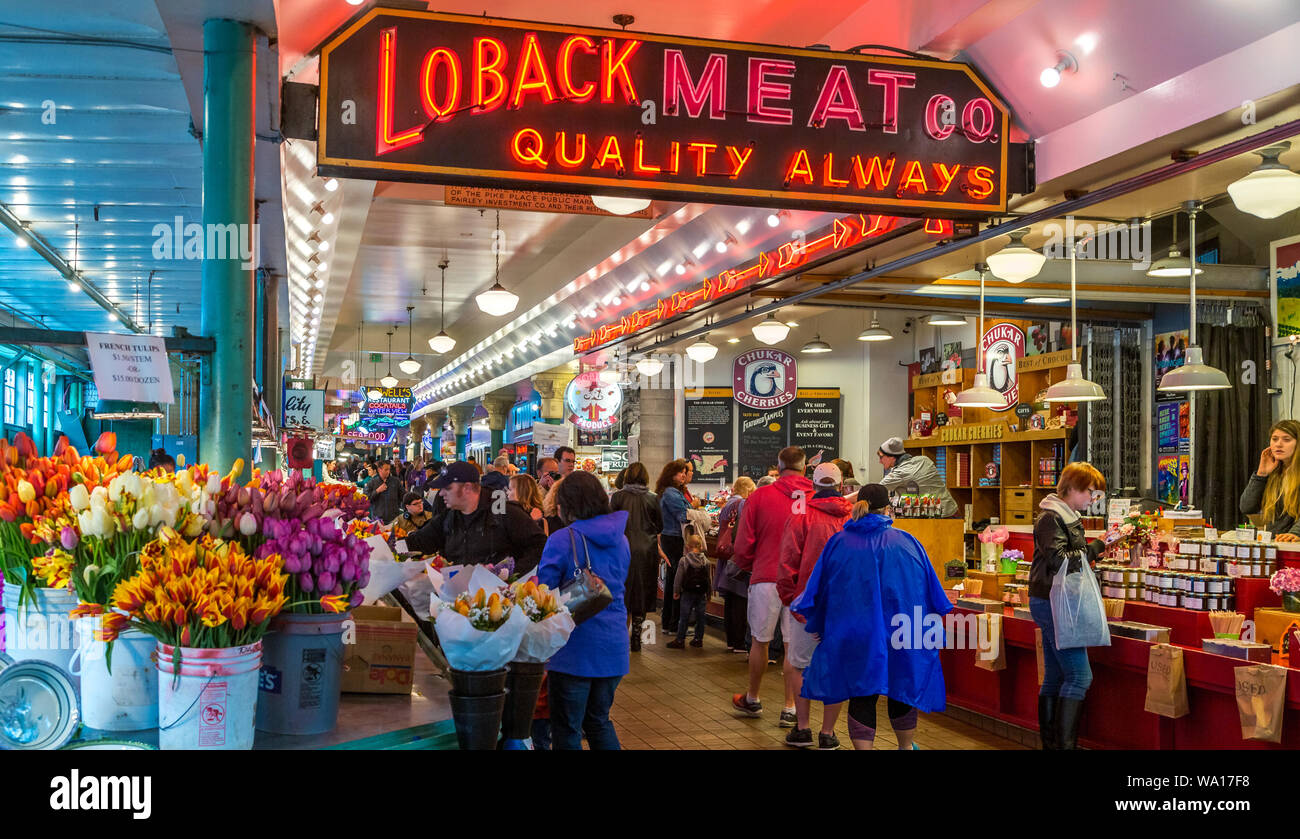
(681, 699)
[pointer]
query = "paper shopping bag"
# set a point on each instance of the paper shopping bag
(1038, 654)
(1261, 695)
(1166, 682)
(991, 651)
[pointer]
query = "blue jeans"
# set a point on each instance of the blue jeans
(579, 706)
(1065, 672)
(692, 601)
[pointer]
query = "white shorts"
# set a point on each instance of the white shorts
(799, 642)
(764, 610)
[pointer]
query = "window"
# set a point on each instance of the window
(31, 397)
(10, 396)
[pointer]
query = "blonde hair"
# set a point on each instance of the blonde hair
(527, 492)
(695, 542)
(860, 509)
(743, 486)
(1284, 483)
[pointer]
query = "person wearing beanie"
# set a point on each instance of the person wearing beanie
(913, 474)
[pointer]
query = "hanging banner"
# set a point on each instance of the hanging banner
(477, 101)
(708, 432)
(130, 367)
(764, 379)
(762, 435)
(304, 409)
(591, 404)
(1003, 346)
(815, 424)
(547, 438)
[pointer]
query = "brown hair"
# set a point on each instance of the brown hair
(527, 492)
(1078, 477)
(636, 473)
(792, 457)
(846, 468)
(671, 469)
(1284, 482)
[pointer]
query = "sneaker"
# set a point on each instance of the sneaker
(698, 642)
(789, 720)
(827, 742)
(800, 738)
(749, 708)
(675, 645)
(741, 651)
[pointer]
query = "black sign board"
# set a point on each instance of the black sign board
(815, 424)
(708, 432)
(762, 435)
(456, 99)
(1023, 410)
(941, 419)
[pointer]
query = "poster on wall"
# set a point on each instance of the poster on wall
(952, 355)
(304, 409)
(762, 435)
(1167, 427)
(929, 362)
(708, 432)
(1003, 346)
(1171, 349)
(548, 438)
(815, 424)
(1284, 287)
(1171, 479)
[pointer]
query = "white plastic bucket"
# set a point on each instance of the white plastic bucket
(125, 699)
(42, 628)
(210, 701)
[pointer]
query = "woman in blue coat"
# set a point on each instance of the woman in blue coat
(870, 586)
(585, 673)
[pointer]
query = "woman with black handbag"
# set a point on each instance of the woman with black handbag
(588, 560)
(643, 528)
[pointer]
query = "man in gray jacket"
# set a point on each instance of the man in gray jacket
(914, 473)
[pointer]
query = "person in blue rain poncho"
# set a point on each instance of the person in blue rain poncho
(869, 588)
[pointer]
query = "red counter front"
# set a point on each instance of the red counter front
(1114, 717)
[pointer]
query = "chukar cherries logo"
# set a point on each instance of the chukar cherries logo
(1003, 347)
(764, 379)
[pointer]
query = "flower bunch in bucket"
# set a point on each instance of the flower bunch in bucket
(549, 621)
(327, 565)
(486, 612)
(478, 627)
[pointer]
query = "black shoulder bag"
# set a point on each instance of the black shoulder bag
(586, 595)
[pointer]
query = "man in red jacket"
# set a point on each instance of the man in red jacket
(758, 550)
(805, 536)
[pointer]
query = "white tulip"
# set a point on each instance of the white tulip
(86, 522)
(115, 489)
(79, 497)
(133, 485)
(214, 484)
(140, 520)
(98, 498)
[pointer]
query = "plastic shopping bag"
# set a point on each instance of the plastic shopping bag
(1077, 610)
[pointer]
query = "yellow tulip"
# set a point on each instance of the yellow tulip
(26, 492)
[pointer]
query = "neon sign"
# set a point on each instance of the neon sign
(455, 99)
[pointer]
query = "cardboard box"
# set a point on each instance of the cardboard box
(1140, 631)
(382, 659)
(1236, 648)
(981, 604)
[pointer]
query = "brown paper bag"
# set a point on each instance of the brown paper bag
(1261, 695)
(1038, 654)
(1166, 682)
(990, 627)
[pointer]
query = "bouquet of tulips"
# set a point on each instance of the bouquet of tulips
(477, 623)
(240, 511)
(321, 558)
(487, 612)
(549, 621)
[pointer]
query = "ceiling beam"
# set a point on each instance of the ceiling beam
(1179, 293)
(67, 338)
(914, 302)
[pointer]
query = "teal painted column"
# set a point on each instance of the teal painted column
(38, 405)
(51, 401)
(229, 73)
(498, 440)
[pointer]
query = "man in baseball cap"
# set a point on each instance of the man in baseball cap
(913, 474)
(474, 525)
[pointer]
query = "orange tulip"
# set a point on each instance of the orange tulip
(106, 443)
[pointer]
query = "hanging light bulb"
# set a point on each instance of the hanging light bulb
(771, 330)
(649, 365)
(620, 206)
(701, 351)
(1271, 189)
(979, 394)
(442, 342)
(409, 365)
(496, 301)
(1075, 388)
(816, 345)
(1195, 374)
(1016, 262)
(875, 332)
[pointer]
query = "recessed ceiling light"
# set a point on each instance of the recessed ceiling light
(331, 185)
(328, 218)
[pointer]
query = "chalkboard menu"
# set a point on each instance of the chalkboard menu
(762, 436)
(815, 423)
(708, 432)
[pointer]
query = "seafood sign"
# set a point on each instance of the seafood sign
(764, 379)
(1004, 346)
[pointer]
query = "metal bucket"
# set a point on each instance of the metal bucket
(210, 700)
(301, 675)
(42, 628)
(477, 682)
(125, 699)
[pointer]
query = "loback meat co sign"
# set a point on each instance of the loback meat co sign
(454, 99)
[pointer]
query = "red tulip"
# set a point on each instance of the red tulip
(106, 443)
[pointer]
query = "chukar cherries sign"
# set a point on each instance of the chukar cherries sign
(764, 379)
(1004, 346)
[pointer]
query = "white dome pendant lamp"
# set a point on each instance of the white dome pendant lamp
(1271, 189)
(1194, 375)
(409, 365)
(442, 342)
(1016, 262)
(1075, 388)
(979, 394)
(496, 301)
(390, 380)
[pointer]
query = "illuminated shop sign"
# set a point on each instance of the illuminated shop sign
(392, 409)
(455, 99)
(592, 405)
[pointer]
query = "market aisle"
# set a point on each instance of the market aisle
(681, 699)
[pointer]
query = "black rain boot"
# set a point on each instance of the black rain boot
(1068, 712)
(636, 636)
(1048, 729)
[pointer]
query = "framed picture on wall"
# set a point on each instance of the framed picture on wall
(1284, 287)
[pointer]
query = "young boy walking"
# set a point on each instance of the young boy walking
(692, 587)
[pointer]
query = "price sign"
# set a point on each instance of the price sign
(1023, 410)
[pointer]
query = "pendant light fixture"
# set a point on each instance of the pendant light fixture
(496, 301)
(1173, 265)
(649, 365)
(620, 206)
(701, 351)
(979, 394)
(875, 332)
(358, 396)
(816, 345)
(940, 319)
(770, 331)
(390, 380)
(1271, 189)
(1075, 388)
(609, 373)
(442, 342)
(1194, 375)
(409, 365)
(373, 392)
(1016, 262)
